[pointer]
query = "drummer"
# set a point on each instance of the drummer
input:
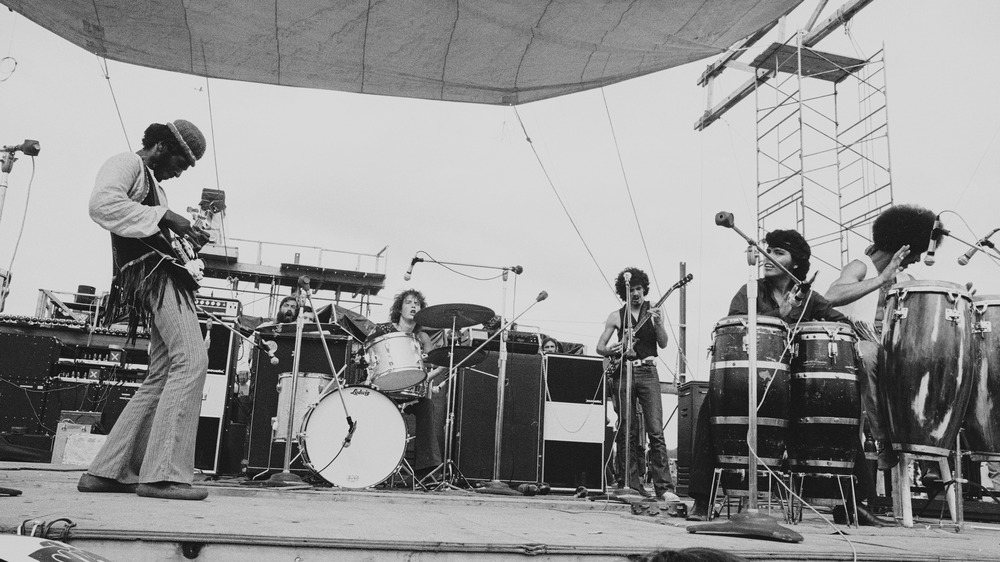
(429, 410)
(776, 297)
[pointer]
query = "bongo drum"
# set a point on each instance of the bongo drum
(982, 417)
(927, 375)
(728, 385)
(825, 405)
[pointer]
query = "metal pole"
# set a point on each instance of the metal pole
(682, 335)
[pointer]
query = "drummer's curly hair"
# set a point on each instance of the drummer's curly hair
(900, 225)
(639, 277)
(396, 312)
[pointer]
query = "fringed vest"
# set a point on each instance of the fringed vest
(141, 269)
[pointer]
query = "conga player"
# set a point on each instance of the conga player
(776, 297)
(899, 236)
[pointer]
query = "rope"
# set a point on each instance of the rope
(628, 190)
(560, 199)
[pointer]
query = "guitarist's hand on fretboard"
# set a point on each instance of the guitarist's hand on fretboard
(183, 227)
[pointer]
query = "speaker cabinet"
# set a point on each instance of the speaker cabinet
(476, 419)
(262, 454)
(575, 421)
(690, 396)
(26, 363)
(222, 355)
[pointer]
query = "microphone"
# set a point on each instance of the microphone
(352, 425)
(304, 282)
(269, 348)
(628, 276)
(542, 296)
(936, 233)
(517, 269)
(409, 270)
(723, 218)
(28, 147)
(964, 258)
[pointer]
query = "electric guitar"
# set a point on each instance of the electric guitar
(615, 363)
(183, 256)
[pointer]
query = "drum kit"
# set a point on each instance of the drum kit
(354, 436)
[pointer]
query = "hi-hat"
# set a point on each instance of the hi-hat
(455, 316)
(439, 356)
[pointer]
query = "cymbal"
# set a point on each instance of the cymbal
(439, 356)
(442, 315)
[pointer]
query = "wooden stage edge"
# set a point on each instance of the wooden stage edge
(245, 524)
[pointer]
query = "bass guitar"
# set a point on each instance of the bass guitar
(615, 363)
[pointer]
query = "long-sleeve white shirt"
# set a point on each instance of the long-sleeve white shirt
(116, 202)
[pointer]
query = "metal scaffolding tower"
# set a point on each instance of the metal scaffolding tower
(822, 147)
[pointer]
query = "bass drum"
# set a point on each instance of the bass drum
(376, 446)
(982, 418)
(927, 375)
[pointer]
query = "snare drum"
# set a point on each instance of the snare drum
(927, 376)
(308, 389)
(395, 362)
(728, 386)
(982, 417)
(825, 404)
(377, 444)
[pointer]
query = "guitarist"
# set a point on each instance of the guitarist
(645, 383)
(150, 450)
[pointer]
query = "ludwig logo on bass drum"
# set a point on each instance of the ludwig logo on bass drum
(360, 392)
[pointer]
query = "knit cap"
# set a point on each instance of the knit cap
(190, 139)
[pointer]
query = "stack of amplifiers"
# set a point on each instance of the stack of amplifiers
(223, 354)
(526, 343)
(229, 309)
(575, 423)
(690, 397)
(475, 433)
(553, 421)
(263, 454)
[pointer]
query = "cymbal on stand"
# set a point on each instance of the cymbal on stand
(440, 355)
(457, 315)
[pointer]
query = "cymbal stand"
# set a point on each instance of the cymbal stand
(447, 467)
(752, 522)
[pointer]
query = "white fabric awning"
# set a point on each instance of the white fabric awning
(479, 51)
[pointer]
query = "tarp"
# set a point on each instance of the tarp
(480, 51)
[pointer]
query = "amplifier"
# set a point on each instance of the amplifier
(227, 308)
(517, 342)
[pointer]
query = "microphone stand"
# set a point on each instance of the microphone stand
(751, 523)
(502, 365)
(285, 477)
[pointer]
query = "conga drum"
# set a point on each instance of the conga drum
(927, 375)
(825, 405)
(729, 383)
(982, 417)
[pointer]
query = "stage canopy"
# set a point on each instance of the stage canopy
(479, 51)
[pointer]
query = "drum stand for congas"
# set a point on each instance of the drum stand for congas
(901, 495)
(717, 488)
(752, 523)
(796, 503)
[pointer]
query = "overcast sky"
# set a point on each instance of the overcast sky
(460, 182)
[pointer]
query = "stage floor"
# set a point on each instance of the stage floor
(239, 523)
